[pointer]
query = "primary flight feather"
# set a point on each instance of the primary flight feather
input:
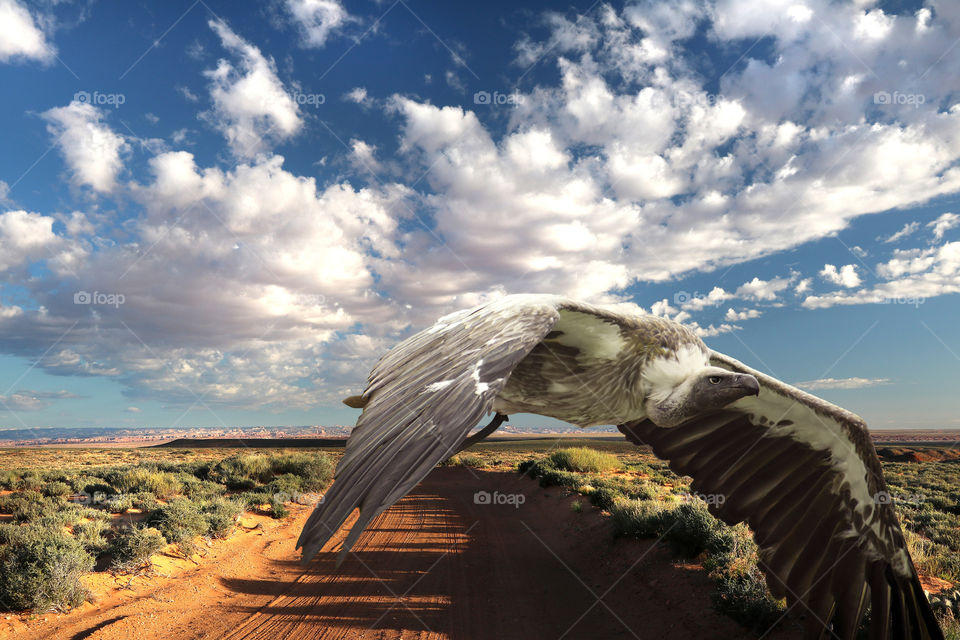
(801, 472)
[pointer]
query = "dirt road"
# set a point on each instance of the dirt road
(436, 565)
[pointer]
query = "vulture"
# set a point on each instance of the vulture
(800, 471)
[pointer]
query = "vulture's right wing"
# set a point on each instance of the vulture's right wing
(804, 475)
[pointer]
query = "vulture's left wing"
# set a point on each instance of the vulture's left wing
(804, 475)
(423, 398)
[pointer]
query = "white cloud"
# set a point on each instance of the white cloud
(4, 192)
(912, 276)
(133, 409)
(758, 289)
(363, 156)
(91, 149)
(842, 383)
(359, 96)
(803, 286)
(250, 105)
(698, 302)
(943, 224)
(20, 37)
(27, 400)
(317, 20)
(746, 314)
(846, 276)
(24, 236)
(186, 93)
(908, 229)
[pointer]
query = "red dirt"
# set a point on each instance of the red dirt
(436, 565)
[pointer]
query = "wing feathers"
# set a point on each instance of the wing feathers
(787, 464)
(423, 398)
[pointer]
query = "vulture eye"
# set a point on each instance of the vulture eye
(715, 379)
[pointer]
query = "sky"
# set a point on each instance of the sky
(216, 213)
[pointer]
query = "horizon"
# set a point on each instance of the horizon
(212, 215)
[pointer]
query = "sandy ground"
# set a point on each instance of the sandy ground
(436, 565)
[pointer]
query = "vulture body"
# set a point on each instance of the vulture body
(801, 472)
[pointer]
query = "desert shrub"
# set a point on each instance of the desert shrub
(221, 514)
(576, 506)
(119, 503)
(637, 518)
(9, 478)
(740, 590)
(133, 546)
(690, 529)
(243, 471)
(288, 485)
(144, 501)
(40, 569)
(253, 499)
(584, 459)
(31, 481)
(604, 497)
(315, 470)
(197, 489)
(162, 484)
(278, 509)
(180, 521)
(90, 485)
(57, 489)
(90, 534)
(548, 475)
(25, 506)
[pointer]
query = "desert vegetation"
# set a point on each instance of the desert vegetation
(644, 499)
(58, 523)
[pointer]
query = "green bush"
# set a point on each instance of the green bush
(57, 489)
(132, 547)
(221, 514)
(180, 521)
(90, 534)
(40, 569)
(277, 509)
(315, 470)
(584, 459)
(26, 506)
(637, 518)
(604, 497)
(162, 484)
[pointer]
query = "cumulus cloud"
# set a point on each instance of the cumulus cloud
(746, 314)
(908, 229)
(842, 383)
(943, 224)
(911, 276)
(358, 95)
(251, 107)
(24, 236)
(27, 400)
(846, 276)
(92, 150)
(317, 20)
(20, 36)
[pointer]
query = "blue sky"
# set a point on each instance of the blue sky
(216, 215)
